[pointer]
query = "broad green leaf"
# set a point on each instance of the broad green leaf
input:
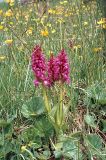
(33, 107)
(47, 154)
(95, 141)
(71, 149)
(42, 129)
(58, 146)
(44, 126)
(90, 120)
(31, 136)
(94, 145)
(96, 92)
(104, 125)
(58, 154)
(25, 111)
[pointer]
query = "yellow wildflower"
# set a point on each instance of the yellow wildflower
(85, 23)
(45, 33)
(2, 58)
(29, 31)
(12, 4)
(1, 27)
(102, 21)
(9, 13)
(23, 148)
(9, 41)
(51, 11)
(9, 1)
(98, 49)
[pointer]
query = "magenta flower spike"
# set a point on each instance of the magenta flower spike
(39, 66)
(58, 68)
(53, 69)
(64, 67)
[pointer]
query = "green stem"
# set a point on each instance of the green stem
(59, 114)
(46, 101)
(61, 105)
(30, 154)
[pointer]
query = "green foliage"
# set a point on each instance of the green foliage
(33, 107)
(104, 125)
(94, 144)
(90, 120)
(68, 148)
(96, 94)
(71, 149)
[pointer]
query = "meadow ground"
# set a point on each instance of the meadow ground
(65, 121)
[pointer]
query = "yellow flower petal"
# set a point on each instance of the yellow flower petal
(9, 41)
(1, 27)
(2, 58)
(98, 49)
(23, 148)
(9, 13)
(45, 33)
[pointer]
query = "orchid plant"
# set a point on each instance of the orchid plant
(48, 73)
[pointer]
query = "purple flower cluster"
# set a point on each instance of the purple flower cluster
(56, 69)
(53, 69)
(64, 70)
(39, 66)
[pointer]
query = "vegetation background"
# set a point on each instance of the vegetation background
(26, 132)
